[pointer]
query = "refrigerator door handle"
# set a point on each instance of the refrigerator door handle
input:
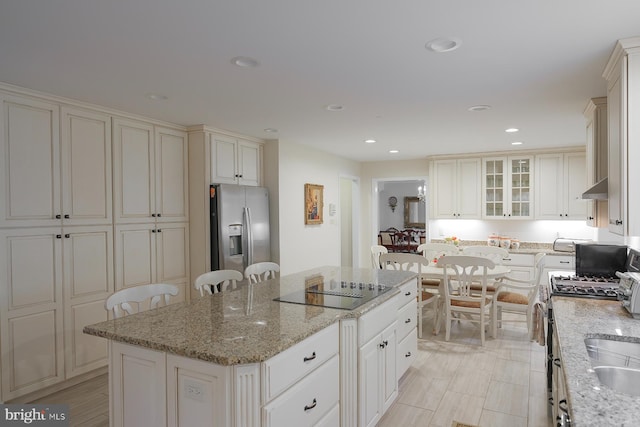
(249, 234)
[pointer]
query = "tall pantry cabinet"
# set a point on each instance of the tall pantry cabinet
(56, 263)
(91, 201)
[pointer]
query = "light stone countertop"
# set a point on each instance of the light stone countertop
(244, 325)
(591, 403)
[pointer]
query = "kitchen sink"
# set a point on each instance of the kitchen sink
(625, 380)
(616, 363)
(611, 352)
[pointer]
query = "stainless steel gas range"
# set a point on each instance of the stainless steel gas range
(585, 286)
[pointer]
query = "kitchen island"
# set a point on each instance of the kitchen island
(591, 403)
(241, 358)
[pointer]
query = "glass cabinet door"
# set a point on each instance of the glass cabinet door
(494, 188)
(520, 187)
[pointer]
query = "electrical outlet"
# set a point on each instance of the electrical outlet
(193, 390)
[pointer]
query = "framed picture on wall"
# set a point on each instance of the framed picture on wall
(313, 203)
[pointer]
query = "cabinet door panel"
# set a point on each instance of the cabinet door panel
(31, 260)
(172, 251)
(33, 358)
(576, 179)
(615, 169)
(135, 251)
(444, 189)
(370, 382)
(223, 162)
(469, 188)
(86, 167)
(84, 352)
(88, 261)
(249, 163)
(134, 183)
(29, 150)
(171, 175)
(549, 179)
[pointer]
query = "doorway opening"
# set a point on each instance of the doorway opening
(400, 203)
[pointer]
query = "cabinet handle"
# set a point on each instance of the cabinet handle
(565, 262)
(58, 236)
(153, 215)
(313, 405)
(58, 216)
(618, 222)
(66, 236)
(590, 218)
(551, 401)
(153, 231)
(408, 320)
(563, 405)
(407, 294)
(159, 230)
(556, 362)
(307, 359)
(408, 354)
(159, 215)
(66, 216)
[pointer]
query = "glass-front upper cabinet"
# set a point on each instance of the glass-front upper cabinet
(507, 191)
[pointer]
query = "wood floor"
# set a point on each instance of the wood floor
(501, 384)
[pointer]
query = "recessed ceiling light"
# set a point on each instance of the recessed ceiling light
(516, 143)
(443, 44)
(244, 62)
(511, 130)
(394, 151)
(156, 96)
(479, 107)
(370, 141)
(271, 130)
(334, 107)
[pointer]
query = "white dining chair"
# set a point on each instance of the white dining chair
(139, 298)
(517, 296)
(433, 252)
(415, 263)
(494, 253)
(217, 281)
(461, 303)
(376, 251)
(261, 271)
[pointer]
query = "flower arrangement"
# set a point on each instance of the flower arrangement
(453, 240)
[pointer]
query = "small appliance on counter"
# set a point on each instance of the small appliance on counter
(630, 284)
(566, 244)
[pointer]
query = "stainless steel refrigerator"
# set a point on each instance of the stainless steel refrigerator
(239, 226)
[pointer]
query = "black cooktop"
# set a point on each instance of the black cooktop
(600, 287)
(333, 294)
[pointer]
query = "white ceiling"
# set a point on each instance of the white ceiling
(536, 63)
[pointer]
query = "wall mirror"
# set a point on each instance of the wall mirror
(415, 215)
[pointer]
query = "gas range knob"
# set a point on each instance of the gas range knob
(360, 285)
(372, 287)
(381, 287)
(352, 285)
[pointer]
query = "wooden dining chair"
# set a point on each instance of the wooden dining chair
(518, 297)
(415, 263)
(139, 298)
(217, 281)
(460, 302)
(376, 251)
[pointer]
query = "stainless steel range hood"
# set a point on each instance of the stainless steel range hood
(599, 191)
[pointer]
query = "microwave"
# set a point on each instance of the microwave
(595, 259)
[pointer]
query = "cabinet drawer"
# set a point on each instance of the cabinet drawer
(407, 319)
(525, 260)
(375, 321)
(284, 369)
(331, 419)
(408, 292)
(560, 262)
(407, 353)
(308, 401)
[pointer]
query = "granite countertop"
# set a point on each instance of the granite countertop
(593, 404)
(525, 247)
(243, 325)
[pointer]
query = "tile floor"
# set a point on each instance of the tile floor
(500, 384)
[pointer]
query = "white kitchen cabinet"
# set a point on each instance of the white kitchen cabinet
(407, 334)
(235, 161)
(597, 158)
(53, 181)
(456, 188)
(150, 173)
(553, 262)
(560, 181)
(150, 253)
(56, 282)
(507, 187)
(622, 73)
(377, 380)
(521, 265)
